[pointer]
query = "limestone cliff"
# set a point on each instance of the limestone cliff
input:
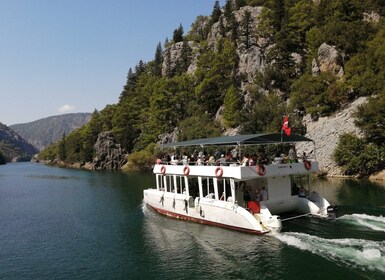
(325, 132)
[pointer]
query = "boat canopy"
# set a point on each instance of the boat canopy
(250, 139)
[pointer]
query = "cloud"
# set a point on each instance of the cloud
(66, 108)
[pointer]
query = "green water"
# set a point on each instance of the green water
(70, 224)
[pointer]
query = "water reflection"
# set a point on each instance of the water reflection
(217, 252)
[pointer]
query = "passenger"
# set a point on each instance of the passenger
(262, 159)
(278, 159)
(222, 160)
(302, 192)
(199, 161)
(264, 193)
(217, 154)
(258, 195)
(234, 154)
(185, 160)
(245, 161)
(246, 195)
(295, 189)
(211, 161)
(292, 156)
(251, 161)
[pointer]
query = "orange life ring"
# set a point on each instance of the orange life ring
(219, 172)
(307, 164)
(261, 170)
(163, 169)
(186, 170)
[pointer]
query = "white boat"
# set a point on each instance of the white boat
(217, 195)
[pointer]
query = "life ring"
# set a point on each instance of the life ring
(261, 170)
(307, 164)
(163, 169)
(219, 172)
(186, 170)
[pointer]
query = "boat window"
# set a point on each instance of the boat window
(297, 181)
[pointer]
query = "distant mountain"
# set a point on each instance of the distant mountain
(13, 147)
(45, 131)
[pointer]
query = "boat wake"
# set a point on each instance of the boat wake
(357, 253)
(376, 223)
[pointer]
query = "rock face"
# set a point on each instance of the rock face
(325, 132)
(108, 154)
(43, 132)
(328, 60)
(13, 146)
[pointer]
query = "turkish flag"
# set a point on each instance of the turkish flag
(285, 126)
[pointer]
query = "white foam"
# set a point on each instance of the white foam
(376, 223)
(363, 254)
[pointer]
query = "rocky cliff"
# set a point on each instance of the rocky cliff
(42, 132)
(325, 132)
(108, 153)
(13, 146)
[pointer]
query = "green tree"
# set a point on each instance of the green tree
(265, 116)
(216, 13)
(355, 156)
(158, 60)
(370, 117)
(247, 28)
(232, 107)
(178, 34)
(198, 126)
(215, 73)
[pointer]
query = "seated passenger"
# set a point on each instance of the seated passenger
(264, 194)
(302, 192)
(258, 195)
(222, 160)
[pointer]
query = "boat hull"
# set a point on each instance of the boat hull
(210, 212)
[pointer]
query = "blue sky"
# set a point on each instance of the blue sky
(62, 56)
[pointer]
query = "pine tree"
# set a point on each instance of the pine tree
(215, 15)
(178, 34)
(158, 60)
(228, 8)
(246, 29)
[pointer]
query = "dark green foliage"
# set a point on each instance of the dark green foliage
(178, 34)
(365, 72)
(214, 75)
(2, 159)
(266, 115)
(356, 157)
(370, 118)
(158, 60)
(316, 95)
(246, 29)
(232, 109)
(216, 12)
(198, 126)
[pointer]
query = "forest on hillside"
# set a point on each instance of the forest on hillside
(165, 97)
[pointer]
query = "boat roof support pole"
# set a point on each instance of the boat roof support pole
(200, 185)
(216, 188)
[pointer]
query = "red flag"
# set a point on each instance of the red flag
(285, 126)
